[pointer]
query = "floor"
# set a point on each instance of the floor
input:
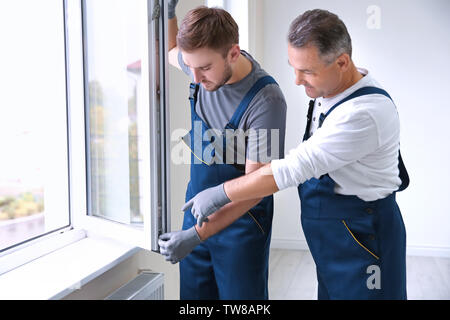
(292, 276)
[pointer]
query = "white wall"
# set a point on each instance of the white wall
(408, 55)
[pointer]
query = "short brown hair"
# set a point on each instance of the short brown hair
(213, 28)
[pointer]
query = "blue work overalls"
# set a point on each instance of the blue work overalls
(233, 264)
(359, 247)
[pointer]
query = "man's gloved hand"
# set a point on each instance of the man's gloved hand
(178, 244)
(206, 203)
(171, 4)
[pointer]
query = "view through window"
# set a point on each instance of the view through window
(116, 117)
(34, 187)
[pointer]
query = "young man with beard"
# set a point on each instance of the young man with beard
(232, 96)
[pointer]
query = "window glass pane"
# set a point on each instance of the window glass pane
(33, 124)
(115, 114)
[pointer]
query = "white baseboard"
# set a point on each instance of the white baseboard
(441, 252)
(300, 244)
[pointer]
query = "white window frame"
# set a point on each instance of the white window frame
(28, 250)
(158, 199)
(82, 225)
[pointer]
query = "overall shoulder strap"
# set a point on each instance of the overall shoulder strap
(236, 118)
(193, 93)
(403, 173)
(358, 93)
(309, 119)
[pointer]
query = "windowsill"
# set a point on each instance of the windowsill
(59, 273)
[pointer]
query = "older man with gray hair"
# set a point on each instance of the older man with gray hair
(348, 168)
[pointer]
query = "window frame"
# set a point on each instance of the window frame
(156, 221)
(81, 225)
(37, 246)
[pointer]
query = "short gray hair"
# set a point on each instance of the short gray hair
(323, 30)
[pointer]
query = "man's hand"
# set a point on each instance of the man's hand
(178, 244)
(206, 203)
(171, 5)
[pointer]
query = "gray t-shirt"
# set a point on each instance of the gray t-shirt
(264, 119)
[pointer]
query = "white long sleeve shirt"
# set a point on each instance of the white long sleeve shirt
(357, 146)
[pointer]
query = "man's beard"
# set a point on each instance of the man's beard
(226, 76)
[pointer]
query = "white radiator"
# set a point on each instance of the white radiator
(145, 286)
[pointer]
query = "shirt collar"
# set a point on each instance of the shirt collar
(327, 103)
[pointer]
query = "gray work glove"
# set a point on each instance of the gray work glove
(206, 203)
(171, 4)
(178, 244)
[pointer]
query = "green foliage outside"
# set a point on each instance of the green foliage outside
(23, 205)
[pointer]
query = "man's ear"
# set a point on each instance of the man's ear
(343, 61)
(234, 53)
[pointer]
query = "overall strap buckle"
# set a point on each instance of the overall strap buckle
(193, 91)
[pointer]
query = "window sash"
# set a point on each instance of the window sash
(156, 220)
(56, 190)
